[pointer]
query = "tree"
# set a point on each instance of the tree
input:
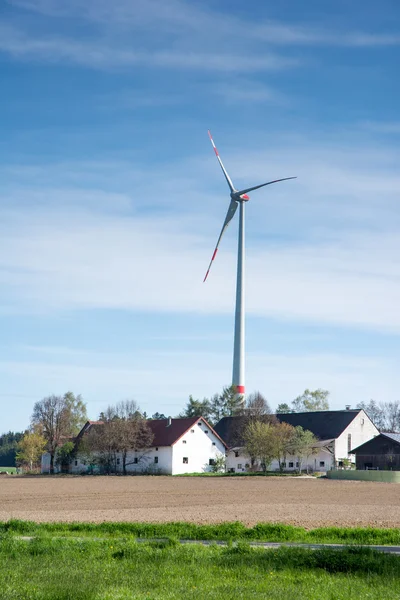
(30, 450)
(391, 416)
(375, 413)
(311, 400)
(303, 445)
(158, 415)
(57, 418)
(218, 465)
(123, 429)
(385, 415)
(197, 408)
(257, 405)
(76, 408)
(283, 436)
(259, 443)
(9, 447)
(283, 408)
(132, 430)
(65, 454)
(226, 404)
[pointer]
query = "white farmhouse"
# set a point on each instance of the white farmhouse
(188, 445)
(338, 431)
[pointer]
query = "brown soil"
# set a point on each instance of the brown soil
(306, 502)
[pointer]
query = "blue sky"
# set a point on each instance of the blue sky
(111, 199)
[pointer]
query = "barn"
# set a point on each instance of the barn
(381, 453)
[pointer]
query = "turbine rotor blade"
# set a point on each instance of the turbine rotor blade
(228, 179)
(256, 187)
(229, 216)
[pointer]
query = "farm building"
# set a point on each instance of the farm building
(338, 431)
(382, 452)
(188, 445)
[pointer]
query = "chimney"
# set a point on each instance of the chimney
(169, 422)
(348, 406)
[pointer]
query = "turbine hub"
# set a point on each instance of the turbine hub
(239, 197)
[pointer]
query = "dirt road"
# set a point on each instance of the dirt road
(307, 502)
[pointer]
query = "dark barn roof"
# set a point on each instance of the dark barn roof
(325, 425)
(380, 444)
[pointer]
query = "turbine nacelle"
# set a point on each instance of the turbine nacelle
(237, 196)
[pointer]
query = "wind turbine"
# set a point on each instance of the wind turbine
(238, 198)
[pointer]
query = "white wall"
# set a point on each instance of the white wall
(198, 447)
(145, 464)
(314, 462)
(361, 430)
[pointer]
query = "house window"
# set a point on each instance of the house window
(205, 431)
(156, 449)
(362, 421)
(297, 464)
(76, 463)
(240, 466)
(290, 465)
(199, 423)
(247, 465)
(231, 470)
(183, 441)
(321, 463)
(284, 465)
(349, 442)
(185, 460)
(213, 443)
(236, 453)
(192, 431)
(211, 462)
(135, 460)
(118, 461)
(156, 460)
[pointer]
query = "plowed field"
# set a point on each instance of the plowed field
(307, 502)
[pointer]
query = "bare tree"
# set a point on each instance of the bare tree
(133, 431)
(257, 405)
(123, 429)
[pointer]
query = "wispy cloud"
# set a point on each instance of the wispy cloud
(167, 34)
(338, 263)
(179, 17)
(102, 54)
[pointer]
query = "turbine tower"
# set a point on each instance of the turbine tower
(238, 198)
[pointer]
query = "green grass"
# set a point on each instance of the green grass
(47, 568)
(268, 532)
(8, 469)
(249, 474)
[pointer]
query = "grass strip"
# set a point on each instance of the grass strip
(46, 568)
(263, 532)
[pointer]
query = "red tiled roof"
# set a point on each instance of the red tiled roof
(164, 434)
